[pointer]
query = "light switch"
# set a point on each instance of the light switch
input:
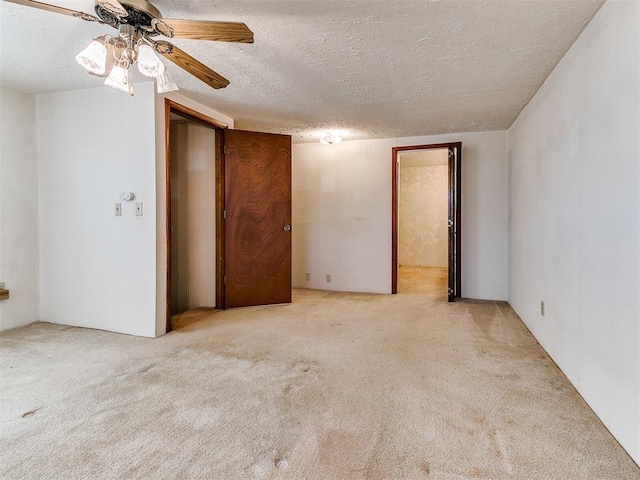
(118, 209)
(138, 209)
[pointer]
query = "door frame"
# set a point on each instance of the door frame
(171, 106)
(454, 197)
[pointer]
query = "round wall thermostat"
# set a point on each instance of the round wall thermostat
(126, 196)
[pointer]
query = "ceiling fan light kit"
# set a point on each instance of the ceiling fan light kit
(164, 84)
(148, 62)
(120, 53)
(119, 79)
(138, 22)
(94, 57)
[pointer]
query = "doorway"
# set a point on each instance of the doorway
(194, 144)
(422, 222)
(193, 216)
(235, 197)
(426, 214)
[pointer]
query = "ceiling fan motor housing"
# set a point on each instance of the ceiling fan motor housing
(140, 14)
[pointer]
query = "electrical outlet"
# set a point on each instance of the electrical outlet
(542, 308)
(328, 278)
(1, 285)
(118, 209)
(138, 209)
(308, 276)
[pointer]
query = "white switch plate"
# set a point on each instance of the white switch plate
(308, 276)
(138, 209)
(328, 278)
(118, 209)
(1, 285)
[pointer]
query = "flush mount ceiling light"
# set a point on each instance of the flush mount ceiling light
(330, 139)
(138, 23)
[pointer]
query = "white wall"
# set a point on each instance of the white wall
(97, 270)
(18, 208)
(342, 213)
(575, 215)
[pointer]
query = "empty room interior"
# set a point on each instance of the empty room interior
(320, 239)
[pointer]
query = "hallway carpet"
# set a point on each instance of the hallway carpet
(432, 282)
(333, 386)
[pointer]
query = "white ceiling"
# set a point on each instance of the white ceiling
(372, 69)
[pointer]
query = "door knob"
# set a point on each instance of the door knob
(287, 228)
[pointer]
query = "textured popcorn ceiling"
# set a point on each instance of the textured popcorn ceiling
(371, 69)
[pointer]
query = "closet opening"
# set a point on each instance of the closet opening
(194, 176)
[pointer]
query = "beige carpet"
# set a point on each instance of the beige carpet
(334, 386)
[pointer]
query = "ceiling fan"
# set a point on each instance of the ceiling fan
(139, 24)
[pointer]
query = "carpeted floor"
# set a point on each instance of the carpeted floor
(333, 386)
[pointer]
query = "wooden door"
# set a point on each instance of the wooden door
(451, 221)
(258, 219)
(454, 221)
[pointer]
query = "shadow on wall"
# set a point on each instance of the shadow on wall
(473, 178)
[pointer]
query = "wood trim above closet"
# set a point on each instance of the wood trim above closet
(192, 114)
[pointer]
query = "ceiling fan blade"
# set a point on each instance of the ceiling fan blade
(190, 64)
(210, 30)
(114, 7)
(57, 9)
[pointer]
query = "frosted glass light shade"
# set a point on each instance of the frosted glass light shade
(118, 78)
(148, 62)
(164, 83)
(330, 139)
(94, 57)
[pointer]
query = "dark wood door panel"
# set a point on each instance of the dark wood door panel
(258, 206)
(451, 223)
